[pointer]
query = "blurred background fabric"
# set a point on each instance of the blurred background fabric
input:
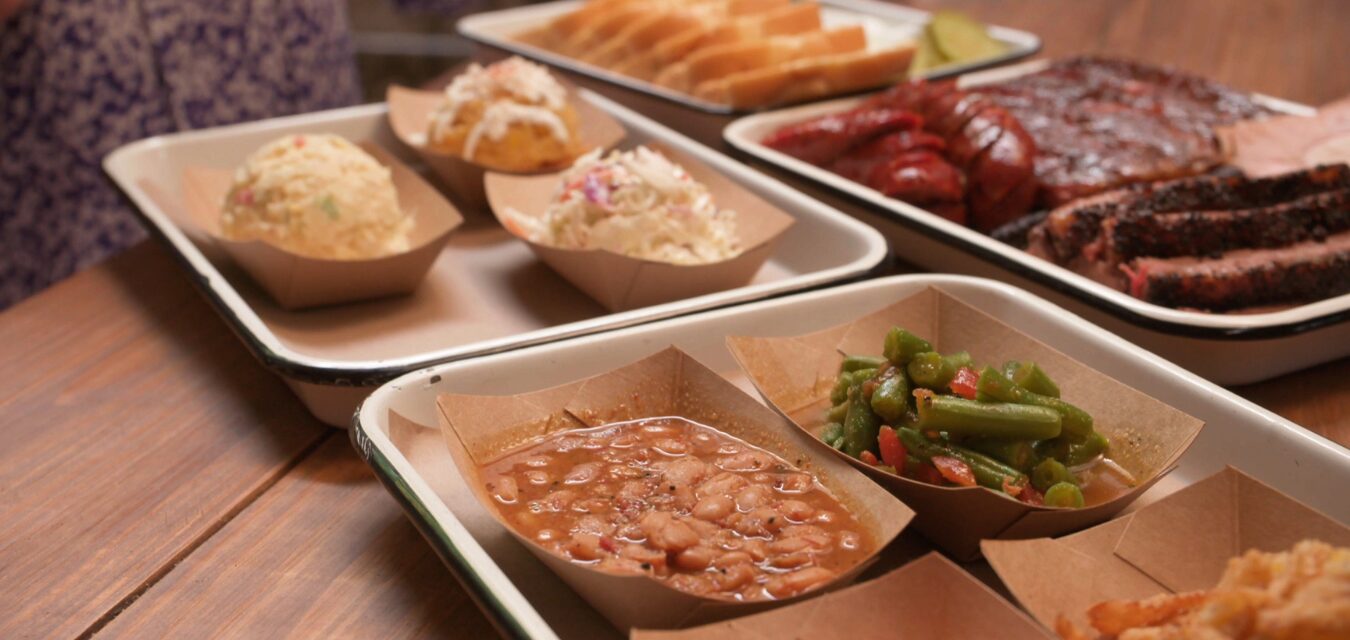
(79, 78)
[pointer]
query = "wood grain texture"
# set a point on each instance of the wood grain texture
(133, 424)
(155, 478)
(325, 553)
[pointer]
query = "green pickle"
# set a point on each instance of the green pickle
(960, 38)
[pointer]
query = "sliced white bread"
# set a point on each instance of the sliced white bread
(786, 20)
(720, 61)
(662, 22)
(808, 78)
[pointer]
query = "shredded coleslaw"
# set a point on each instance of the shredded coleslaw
(637, 203)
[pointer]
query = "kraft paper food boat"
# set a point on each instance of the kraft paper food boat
(1179, 543)
(619, 282)
(526, 600)
(927, 598)
(410, 114)
(669, 383)
(296, 281)
(795, 374)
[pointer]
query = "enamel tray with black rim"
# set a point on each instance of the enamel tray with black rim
(1228, 348)
(486, 293)
(525, 599)
(886, 24)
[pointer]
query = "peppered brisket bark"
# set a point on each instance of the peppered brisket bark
(1210, 233)
(1067, 230)
(1217, 243)
(1246, 278)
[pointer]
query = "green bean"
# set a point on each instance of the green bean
(1072, 450)
(1007, 421)
(1064, 494)
(860, 425)
(901, 346)
(837, 412)
(1083, 452)
(831, 431)
(1018, 454)
(935, 371)
(1031, 377)
(856, 363)
(890, 400)
(1049, 473)
(988, 472)
(846, 381)
(993, 384)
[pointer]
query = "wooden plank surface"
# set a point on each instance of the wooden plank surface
(132, 424)
(155, 481)
(323, 554)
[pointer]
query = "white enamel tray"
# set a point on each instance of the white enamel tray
(334, 356)
(1226, 348)
(886, 24)
(526, 600)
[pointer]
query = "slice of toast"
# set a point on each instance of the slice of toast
(720, 61)
(808, 78)
(791, 19)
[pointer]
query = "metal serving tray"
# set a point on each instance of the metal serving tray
(886, 24)
(504, 298)
(1226, 348)
(526, 600)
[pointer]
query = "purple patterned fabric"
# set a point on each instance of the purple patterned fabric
(78, 78)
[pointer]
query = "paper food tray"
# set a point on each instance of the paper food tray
(1226, 348)
(486, 293)
(885, 23)
(526, 600)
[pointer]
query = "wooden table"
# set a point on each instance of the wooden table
(156, 481)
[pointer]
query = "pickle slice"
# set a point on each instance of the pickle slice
(959, 38)
(926, 55)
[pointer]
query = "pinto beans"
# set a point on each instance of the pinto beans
(791, 584)
(679, 502)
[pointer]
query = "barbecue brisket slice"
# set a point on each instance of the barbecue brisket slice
(1207, 233)
(1069, 229)
(1246, 278)
(1099, 124)
(1218, 243)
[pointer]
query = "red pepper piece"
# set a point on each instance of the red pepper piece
(892, 450)
(955, 471)
(965, 383)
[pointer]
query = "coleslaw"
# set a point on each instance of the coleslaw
(637, 203)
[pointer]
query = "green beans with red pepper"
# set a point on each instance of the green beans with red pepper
(1015, 436)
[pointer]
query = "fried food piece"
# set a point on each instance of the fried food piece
(1301, 594)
